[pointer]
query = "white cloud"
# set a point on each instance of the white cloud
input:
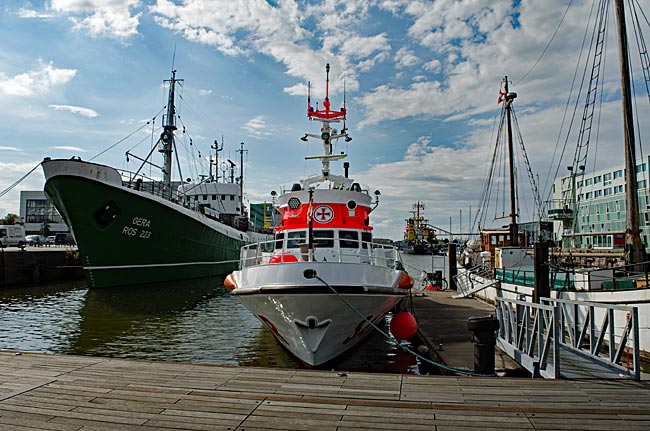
(10, 149)
(204, 92)
(256, 127)
(26, 13)
(111, 18)
(37, 81)
(69, 148)
(84, 112)
(405, 58)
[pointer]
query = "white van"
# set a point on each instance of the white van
(12, 235)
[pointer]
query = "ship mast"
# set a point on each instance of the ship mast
(327, 116)
(167, 136)
(635, 250)
(513, 228)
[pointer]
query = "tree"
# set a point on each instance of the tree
(10, 219)
(45, 229)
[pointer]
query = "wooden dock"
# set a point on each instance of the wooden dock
(54, 392)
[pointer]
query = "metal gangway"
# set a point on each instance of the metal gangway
(474, 280)
(562, 338)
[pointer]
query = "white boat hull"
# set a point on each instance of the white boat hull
(306, 316)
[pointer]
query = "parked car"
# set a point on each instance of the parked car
(64, 239)
(36, 240)
(51, 239)
(12, 235)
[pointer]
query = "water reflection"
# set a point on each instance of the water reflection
(195, 321)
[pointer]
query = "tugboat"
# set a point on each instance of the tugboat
(134, 229)
(419, 236)
(322, 283)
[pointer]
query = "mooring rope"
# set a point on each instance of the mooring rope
(8, 189)
(406, 349)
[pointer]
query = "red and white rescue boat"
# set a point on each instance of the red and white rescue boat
(322, 280)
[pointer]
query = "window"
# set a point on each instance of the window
(588, 195)
(598, 179)
(324, 238)
(295, 238)
(366, 237)
(214, 197)
(640, 168)
(598, 193)
(588, 181)
(205, 197)
(348, 239)
(607, 179)
(607, 191)
(232, 197)
(279, 238)
(642, 184)
(579, 184)
(618, 174)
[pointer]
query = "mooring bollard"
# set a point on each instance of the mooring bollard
(484, 338)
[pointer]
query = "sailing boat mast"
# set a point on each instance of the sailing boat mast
(167, 137)
(514, 231)
(635, 249)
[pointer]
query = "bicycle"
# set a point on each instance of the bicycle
(432, 281)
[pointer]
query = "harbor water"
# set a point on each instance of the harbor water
(195, 321)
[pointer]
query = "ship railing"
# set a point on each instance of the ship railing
(143, 183)
(370, 253)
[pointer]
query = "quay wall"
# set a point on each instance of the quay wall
(38, 265)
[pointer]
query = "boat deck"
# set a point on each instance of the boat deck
(53, 392)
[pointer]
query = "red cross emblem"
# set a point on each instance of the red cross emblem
(323, 214)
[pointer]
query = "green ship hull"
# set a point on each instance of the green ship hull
(130, 237)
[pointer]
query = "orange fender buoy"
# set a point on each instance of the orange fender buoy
(403, 326)
(405, 281)
(230, 282)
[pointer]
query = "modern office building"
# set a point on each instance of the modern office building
(36, 211)
(589, 209)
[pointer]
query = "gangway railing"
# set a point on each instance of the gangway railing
(528, 334)
(605, 332)
(473, 280)
(558, 337)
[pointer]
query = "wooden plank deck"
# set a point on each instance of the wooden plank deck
(73, 393)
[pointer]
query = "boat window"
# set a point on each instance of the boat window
(205, 197)
(223, 197)
(348, 239)
(366, 237)
(232, 197)
(279, 238)
(295, 238)
(324, 238)
(214, 197)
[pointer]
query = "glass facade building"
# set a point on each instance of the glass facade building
(589, 209)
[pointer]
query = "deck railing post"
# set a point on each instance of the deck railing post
(637, 348)
(556, 341)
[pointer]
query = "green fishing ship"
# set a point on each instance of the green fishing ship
(133, 229)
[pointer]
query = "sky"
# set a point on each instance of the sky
(421, 79)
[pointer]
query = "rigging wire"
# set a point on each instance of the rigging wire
(547, 45)
(566, 108)
(128, 136)
(20, 180)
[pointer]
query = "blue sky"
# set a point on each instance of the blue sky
(422, 80)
